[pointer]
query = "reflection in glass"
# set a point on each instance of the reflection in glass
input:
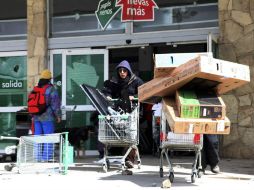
(84, 24)
(13, 81)
(81, 69)
(13, 92)
(181, 17)
(8, 127)
(57, 73)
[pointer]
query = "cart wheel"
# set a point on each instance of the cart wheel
(123, 167)
(8, 167)
(139, 164)
(200, 173)
(171, 177)
(105, 168)
(193, 178)
(161, 172)
(108, 163)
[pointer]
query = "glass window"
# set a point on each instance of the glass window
(181, 17)
(81, 69)
(171, 3)
(77, 17)
(8, 128)
(13, 81)
(13, 24)
(13, 92)
(57, 73)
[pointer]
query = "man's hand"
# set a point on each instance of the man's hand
(131, 98)
(58, 119)
(109, 98)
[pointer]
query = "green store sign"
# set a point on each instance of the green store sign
(106, 11)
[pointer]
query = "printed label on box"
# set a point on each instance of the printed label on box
(221, 125)
(191, 128)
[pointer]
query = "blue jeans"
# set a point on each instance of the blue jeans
(44, 151)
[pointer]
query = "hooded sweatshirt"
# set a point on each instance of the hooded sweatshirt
(116, 87)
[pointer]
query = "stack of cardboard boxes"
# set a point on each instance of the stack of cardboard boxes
(190, 86)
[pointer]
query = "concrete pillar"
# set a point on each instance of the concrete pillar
(37, 42)
(236, 43)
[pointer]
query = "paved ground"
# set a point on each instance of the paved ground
(85, 174)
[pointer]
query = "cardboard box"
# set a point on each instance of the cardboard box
(187, 104)
(200, 67)
(200, 104)
(211, 105)
(190, 125)
(164, 64)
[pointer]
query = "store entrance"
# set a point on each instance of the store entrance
(142, 64)
(141, 58)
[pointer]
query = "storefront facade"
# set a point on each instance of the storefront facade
(67, 38)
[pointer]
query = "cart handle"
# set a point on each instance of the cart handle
(8, 138)
(124, 116)
(116, 99)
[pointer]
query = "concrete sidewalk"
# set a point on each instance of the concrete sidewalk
(86, 174)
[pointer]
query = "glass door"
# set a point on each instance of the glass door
(74, 67)
(13, 94)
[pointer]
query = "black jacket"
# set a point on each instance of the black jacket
(121, 90)
(117, 89)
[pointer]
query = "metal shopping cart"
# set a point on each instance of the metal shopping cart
(156, 135)
(116, 129)
(156, 108)
(180, 142)
(119, 131)
(41, 153)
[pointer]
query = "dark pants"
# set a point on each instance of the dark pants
(210, 151)
(132, 155)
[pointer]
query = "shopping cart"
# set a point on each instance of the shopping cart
(41, 153)
(156, 135)
(180, 142)
(119, 130)
(156, 117)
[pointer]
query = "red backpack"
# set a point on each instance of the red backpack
(36, 102)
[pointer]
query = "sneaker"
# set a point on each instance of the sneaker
(215, 169)
(202, 171)
(129, 164)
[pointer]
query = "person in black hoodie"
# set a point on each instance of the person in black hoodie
(124, 87)
(210, 153)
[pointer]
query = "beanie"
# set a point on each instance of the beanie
(46, 74)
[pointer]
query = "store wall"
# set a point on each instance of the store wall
(36, 40)
(236, 43)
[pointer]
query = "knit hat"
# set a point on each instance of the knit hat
(46, 74)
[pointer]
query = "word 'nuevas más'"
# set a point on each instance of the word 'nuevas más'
(137, 7)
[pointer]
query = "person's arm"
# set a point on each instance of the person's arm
(138, 83)
(55, 104)
(133, 85)
(106, 90)
(111, 89)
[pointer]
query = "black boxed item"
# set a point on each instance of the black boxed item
(211, 105)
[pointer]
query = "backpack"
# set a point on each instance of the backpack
(36, 102)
